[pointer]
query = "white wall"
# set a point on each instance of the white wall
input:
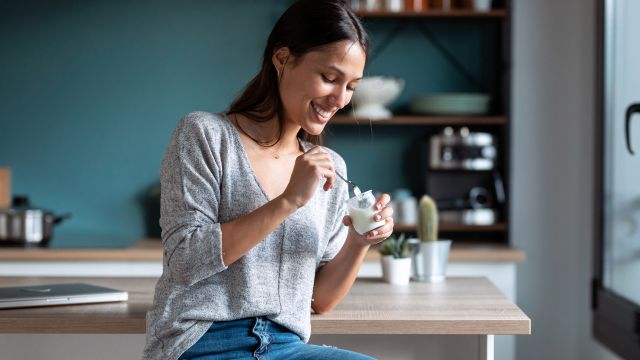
(553, 161)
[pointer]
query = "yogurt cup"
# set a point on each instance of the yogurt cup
(361, 211)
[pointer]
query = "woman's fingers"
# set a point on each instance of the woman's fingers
(386, 212)
(381, 233)
(382, 201)
(317, 149)
(308, 170)
(328, 173)
(319, 158)
(331, 179)
(382, 204)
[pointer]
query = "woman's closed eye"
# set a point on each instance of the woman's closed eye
(328, 80)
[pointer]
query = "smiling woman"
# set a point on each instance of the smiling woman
(315, 86)
(253, 222)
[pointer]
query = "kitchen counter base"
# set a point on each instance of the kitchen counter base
(130, 346)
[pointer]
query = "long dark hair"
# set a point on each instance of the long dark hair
(306, 26)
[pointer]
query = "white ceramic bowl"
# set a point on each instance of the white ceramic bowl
(373, 94)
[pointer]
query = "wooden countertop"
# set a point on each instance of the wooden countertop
(151, 250)
(469, 306)
(143, 250)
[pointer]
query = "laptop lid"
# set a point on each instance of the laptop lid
(58, 294)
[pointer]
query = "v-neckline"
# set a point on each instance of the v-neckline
(245, 156)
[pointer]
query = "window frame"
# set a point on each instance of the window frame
(615, 320)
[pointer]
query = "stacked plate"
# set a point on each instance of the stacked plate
(451, 104)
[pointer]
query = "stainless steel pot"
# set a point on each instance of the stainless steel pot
(22, 225)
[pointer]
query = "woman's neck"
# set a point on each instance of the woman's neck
(266, 133)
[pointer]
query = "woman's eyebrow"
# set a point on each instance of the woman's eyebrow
(337, 69)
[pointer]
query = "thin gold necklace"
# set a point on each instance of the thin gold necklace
(274, 154)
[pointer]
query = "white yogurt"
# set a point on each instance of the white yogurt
(362, 212)
(363, 220)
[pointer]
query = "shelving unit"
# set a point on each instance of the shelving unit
(456, 13)
(496, 122)
(422, 120)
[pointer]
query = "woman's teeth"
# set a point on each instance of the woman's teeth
(324, 114)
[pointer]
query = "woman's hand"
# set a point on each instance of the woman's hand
(308, 170)
(384, 212)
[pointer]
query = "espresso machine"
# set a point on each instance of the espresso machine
(462, 176)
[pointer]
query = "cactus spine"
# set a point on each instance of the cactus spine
(428, 221)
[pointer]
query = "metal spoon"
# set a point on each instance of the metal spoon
(349, 182)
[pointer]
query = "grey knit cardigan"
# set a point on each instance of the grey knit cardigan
(207, 179)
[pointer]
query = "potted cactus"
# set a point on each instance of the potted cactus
(396, 260)
(430, 255)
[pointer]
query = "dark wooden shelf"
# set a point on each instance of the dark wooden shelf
(460, 13)
(421, 120)
(456, 227)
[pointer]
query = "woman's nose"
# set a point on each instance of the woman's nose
(340, 97)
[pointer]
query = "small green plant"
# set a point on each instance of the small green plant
(398, 246)
(428, 220)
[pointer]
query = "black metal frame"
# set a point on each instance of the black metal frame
(506, 68)
(616, 320)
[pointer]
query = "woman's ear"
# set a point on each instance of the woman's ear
(280, 58)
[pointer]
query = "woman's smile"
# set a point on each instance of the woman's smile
(323, 116)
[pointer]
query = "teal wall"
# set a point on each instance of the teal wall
(91, 90)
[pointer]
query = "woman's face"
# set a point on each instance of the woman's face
(316, 85)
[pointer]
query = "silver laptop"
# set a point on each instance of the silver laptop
(58, 294)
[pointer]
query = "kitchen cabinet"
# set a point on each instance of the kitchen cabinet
(404, 44)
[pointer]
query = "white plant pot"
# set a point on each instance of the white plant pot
(430, 260)
(396, 271)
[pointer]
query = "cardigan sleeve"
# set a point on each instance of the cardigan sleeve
(190, 196)
(338, 233)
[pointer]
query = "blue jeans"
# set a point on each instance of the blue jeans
(262, 339)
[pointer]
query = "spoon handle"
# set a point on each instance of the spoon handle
(345, 180)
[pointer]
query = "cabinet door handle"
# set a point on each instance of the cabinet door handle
(633, 108)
